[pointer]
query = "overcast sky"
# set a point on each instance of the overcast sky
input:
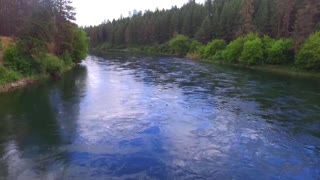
(94, 12)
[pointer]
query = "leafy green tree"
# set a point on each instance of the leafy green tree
(213, 47)
(180, 45)
(308, 56)
(281, 51)
(194, 46)
(267, 44)
(233, 51)
(79, 45)
(15, 60)
(252, 52)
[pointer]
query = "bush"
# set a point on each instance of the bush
(50, 64)
(32, 47)
(180, 45)
(218, 57)
(15, 60)
(194, 46)
(280, 52)
(252, 52)
(67, 58)
(213, 47)
(267, 42)
(233, 51)
(308, 56)
(250, 37)
(79, 45)
(7, 76)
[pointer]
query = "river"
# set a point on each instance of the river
(131, 116)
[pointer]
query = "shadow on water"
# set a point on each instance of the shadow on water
(136, 116)
(31, 134)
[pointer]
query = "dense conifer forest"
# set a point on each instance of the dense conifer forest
(248, 31)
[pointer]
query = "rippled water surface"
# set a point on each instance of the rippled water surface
(128, 116)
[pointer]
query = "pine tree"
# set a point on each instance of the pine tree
(247, 13)
(306, 20)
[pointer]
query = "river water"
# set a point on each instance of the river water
(129, 116)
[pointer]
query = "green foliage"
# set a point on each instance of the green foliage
(15, 60)
(308, 56)
(213, 47)
(218, 57)
(7, 76)
(194, 46)
(251, 36)
(267, 44)
(50, 64)
(67, 58)
(252, 51)
(233, 51)
(32, 46)
(180, 45)
(280, 52)
(79, 45)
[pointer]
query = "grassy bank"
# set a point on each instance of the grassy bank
(13, 80)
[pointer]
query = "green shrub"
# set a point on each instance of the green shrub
(50, 64)
(250, 37)
(7, 76)
(15, 60)
(233, 51)
(194, 46)
(32, 47)
(67, 58)
(180, 45)
(218, 57)
(213, 47)
(79, 45)
(252, 52)
(280, 52)
(267, 44)
(308, 56)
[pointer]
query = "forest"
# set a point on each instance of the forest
(45, 39)
(231, 31)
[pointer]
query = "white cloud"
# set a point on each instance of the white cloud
(94, 12)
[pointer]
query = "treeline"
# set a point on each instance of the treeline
(46, 39)
(215, 19)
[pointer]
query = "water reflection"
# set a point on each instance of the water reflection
(128, 116)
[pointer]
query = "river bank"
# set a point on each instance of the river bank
(287, 70)
(276, 69)
(18, 84)
(26, 81)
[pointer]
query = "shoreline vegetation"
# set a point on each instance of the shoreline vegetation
(276, 69)
(39, 42)
(251, 51)
(279, 36)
